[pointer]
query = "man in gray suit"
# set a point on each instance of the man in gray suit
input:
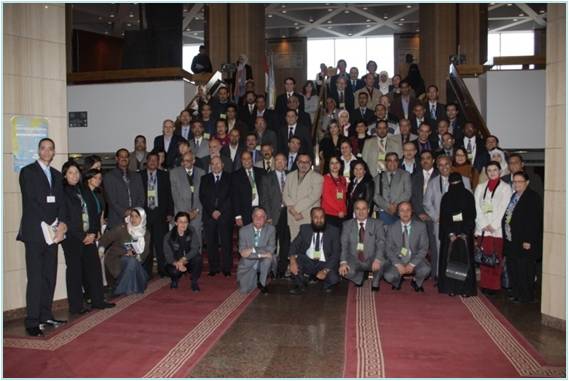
(185, 182)
(123, 189)
(315, 252)
(376, 149)
(391, 188)
(137, 157)
(198, 144)
(406, 248)
(256, 246)
(264, 135)
(214, 149)
(363, 247)
(436, 188)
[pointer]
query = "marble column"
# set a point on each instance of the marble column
(553, 293)
(34, 85)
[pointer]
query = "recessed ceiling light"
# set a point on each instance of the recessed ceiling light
(283, 11)
(346, 11)
(112, 15)
(409, 6)
(269, 15)
(402, 19)
(522, 14)
(131, 15)
(515, 19)
(385, 17)
(400, 24)
(329, 21)
(368, 20)
(128, 24)
(368, 26)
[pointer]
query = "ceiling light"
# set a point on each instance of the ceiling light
(329, 21)
(402, 19)
(128, 24)
(283, 11)
(112, 15)
(409, 6)
(385, 17)
(346, 11)
(364, 8)
(515, 19)
(522, 14)
(269, 15)
(368, 20)
(131, 15)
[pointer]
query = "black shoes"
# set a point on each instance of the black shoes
(416, 287)
(174, 283)
(34, 331)
(375, 288)
(104, 306)
(52, 322)
(195, 287)
(212, 273)
(297, 290)
(398, 287)
(264, 289)
(227, 274)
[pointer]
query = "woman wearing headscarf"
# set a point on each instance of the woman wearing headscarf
(242, 75)
(498, 156)
(523, 232)
(384, 82)
(416, 81)
(462, 165)
(492, 198)
(80, 249)
(456, 231)
(126, 247)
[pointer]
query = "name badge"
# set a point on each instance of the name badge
(360, 247)
(258, 148)
(487, 207)
(50, 199)
(222, 116)
(342, 105)
(457, 217)
(381, 156)
(339, 196)
(316, 254)
(404, 252)
(470, 156)
(192, 189)
(206, 135)
(152, 193)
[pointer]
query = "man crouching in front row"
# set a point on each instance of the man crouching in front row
(315, 252)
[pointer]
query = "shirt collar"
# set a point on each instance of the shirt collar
(42, 165)
(362, 222)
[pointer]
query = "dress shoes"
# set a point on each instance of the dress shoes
(174, 284)
(296, 290)
(375, 288)
(104, 306)
(416, 287)
(34, 331)
(264, 289)
(52, 322)
(359, 284)
(195, 287)
(227, 274)
(212, 273)
(82, 311)
(398, 286)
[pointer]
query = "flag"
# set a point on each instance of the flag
(270, 81)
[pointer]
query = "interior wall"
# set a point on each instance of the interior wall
(403, 44)
(34, 85)
(289, 61)
(124, 110)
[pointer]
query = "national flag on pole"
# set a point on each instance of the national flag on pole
(270, 81)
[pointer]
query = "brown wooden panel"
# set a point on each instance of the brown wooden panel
(93, 51)
(129, 75)
(519, 60)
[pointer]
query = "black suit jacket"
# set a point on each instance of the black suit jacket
(228, 166)
(165, 202)
(216, 196)
(417, 181)
(172, 148)
(440, 114)
(35, 207)
(74, 209)
(241, 199)
(348, 99)
(330, 243)
(356, 116)
(270, 118)
(526, 224)
(247, 117)
(226, 153)
(218, 108)
(364, 190)
(482, 156)
(359, 85)
(281, 103)
(302, 131)
(397, 107)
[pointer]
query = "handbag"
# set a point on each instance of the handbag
(457, 269)
(483, 258)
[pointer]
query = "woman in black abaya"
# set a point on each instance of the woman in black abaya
(457, 220)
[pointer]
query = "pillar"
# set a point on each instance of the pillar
(234, 29)
(34, 85)
(553, 293)
(473, 32)
(438, 42)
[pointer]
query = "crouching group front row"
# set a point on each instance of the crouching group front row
(364, 246)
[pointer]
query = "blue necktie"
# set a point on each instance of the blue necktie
(47, 172)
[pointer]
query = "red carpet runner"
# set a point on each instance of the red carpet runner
(406, 334)
(161, 333)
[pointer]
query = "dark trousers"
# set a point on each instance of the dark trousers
(41, 270)
(83, 270)
(158, 228)
(219, 230)
(522, 268)
(283, 237)
(335, 221)
(311, 267)
(194, 267)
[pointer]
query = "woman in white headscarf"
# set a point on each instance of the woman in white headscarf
(125, 249)
(384, 82)
(499, 156)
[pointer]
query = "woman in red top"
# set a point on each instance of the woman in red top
(221, 132)
(334, 191)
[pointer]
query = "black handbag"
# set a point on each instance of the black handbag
(483, 258)
(457, 269)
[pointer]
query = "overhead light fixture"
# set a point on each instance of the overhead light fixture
(409, 6)
(385, 17)
(112, 15)
(283, 11)
(269, 15)
(346, 11)
(329, 21)
(131, 15)
(128, 24)
(522, 14)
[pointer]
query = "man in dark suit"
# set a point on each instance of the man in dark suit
(42, 201)
(342, 73)
(342, 95)
(184, 128)
(253, 147)
(168, 142)
(403, 105)
(362, 112)
(448, 146)
(474, 146)
(234, 123)
(409, 160)
(215, 196)
(418, 117)
(262, 111)
(123, 189)
(233, 151)
(247, 180)
(282, 100)
(435, 111)
(246, 113)
(264, 135)
(214, 147)
(272, 201)
(293, 128)
(354, 83)
(454, 125)
(159, 209)
(419, 182)
(219, 104)
(315, 252)
(294, 148)
(294, 104)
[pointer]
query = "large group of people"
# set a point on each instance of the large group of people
(400, 188)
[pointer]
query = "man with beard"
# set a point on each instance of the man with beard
(315, 252)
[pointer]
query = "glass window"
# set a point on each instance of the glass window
(353, 51)
(319, 51)
(189, 51)
(380, 50)
(505, 44)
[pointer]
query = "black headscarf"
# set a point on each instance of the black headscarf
(415, 80)
(457, 200)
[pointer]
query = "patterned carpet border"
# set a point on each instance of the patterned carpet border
(84, 325)
(523, 362)
(187, 347)
(370, 362)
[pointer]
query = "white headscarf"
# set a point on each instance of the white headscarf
(137, 232)
(503, 163)
(384, 86)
